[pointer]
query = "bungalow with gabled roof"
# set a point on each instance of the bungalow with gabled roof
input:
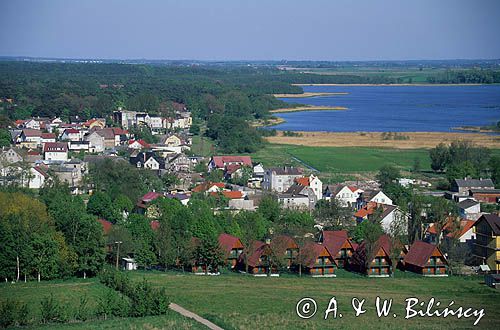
(258, 260)
(232, 248)
(376, 262)
(287, 247)
(55, 151)
(339, 245)
(347, 195)
(426, 259)
(317, 260)
(220, 162)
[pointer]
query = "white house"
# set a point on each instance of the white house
(96, 141)
(258, 171)
(388, 215)
(37, 179)
(346, 195)
(279, 179)
(55, 151)
(381, 198)
(71, 134)
(469, 209)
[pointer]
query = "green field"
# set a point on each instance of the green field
(340, 163)
(235, 301)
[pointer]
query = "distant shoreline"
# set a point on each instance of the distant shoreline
(422, 85)
(309, 94)
(309, 108)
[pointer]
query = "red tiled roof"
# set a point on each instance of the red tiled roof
(258, 248)
(140, 141)
(311, 251)
(231, 168)
(55, 147)
(106, 226)
(333, 240)
(150, 196)
(220, 161)
(32, 132)
(229, 194)
(352, 188)
(419, 253)
(304, 181)
(71, 131)
(48, 136)
(228, 242)
(207, 185)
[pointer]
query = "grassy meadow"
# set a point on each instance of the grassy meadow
(235, 301)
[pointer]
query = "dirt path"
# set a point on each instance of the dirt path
(194, 316)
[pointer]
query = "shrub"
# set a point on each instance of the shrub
(50, 310)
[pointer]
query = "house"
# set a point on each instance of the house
(32, 124)
(55, 151)
(258, 171)
(178, 163)
(47, 137)
(314, 183)
(183, 198)
(469, 209)
(231, 195)
(95, 123)
(279, 179)
(339, 245)
(128, 263)
(96, 141)
(286, 247)
(375, 196)
(9, 156)
(242, 204)
(375, 261)
(426, 259)
(317, 260)
(232, 248)
(209, 187)
(487, 244)
(258, 260)
(462, 230)
(30, 138)
(112, 136)
(298, 197)
(138, 144)
(387, 215)
(145, 206)
(71, 134)
(37, 178)
(172, 140)
(346, 195)
(462, 186)
(220, 162)
(486, 195)
(79, 146)
(148, 160)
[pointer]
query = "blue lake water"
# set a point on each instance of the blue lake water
(396, 109)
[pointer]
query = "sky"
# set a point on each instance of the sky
(334, 30)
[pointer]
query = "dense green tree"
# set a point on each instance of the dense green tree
(332, 214)
(440, 157)
(387, 174)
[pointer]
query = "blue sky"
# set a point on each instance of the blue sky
(251, 30)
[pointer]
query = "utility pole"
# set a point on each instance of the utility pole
(118, 253)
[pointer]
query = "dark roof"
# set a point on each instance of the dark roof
(258, 248)
(286, 170)
(311, 251)
(419, 253)
(493, 221)
(281, 243)
(465, 204)
(485, 191)
(485, 183)
(359, 256)
(55, 147)
(334, 239)
(295, 189)
(228, 242)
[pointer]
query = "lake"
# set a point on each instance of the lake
(396, 109)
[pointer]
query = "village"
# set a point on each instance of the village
(48, 149)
